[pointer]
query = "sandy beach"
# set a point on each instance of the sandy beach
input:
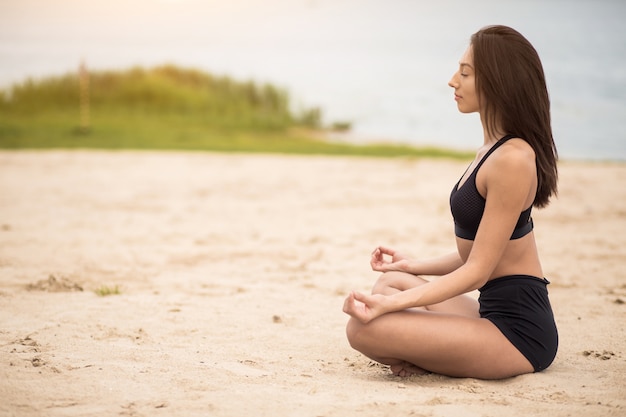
(232, 270)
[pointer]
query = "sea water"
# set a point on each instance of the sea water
(382, 65)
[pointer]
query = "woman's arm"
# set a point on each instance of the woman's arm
(509, 177)
(436, 266)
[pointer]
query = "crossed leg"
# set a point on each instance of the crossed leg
(392, 282)
(448, 338)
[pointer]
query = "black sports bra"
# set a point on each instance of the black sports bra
(467, 205)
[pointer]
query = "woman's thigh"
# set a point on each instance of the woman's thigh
(392, 282)
(442, 343)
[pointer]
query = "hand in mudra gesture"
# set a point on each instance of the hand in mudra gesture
(399, 262)
(365, 308)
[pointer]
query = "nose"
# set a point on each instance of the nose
(453, 81)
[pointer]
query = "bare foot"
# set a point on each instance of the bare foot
(405, 369)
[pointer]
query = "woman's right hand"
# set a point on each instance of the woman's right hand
(399, 262)
(366, 308)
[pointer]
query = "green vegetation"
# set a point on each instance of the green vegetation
(170, 108)
(104, 291)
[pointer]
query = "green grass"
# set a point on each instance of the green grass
(104, 291)
(171, 108)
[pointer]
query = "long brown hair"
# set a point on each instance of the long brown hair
(514, 97)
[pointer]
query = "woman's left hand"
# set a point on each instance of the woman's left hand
(365, 308)
(399, 262)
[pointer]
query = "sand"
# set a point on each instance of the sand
(232, 270)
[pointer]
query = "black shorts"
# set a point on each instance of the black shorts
(519, 306)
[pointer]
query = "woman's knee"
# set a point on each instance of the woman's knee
(386, 281)
(394, 281)
(352, 331)
(356, 333)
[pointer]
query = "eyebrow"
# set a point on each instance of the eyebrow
(465, 64)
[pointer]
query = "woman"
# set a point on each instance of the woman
(415, 325)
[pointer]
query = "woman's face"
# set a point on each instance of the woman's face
(464, 83)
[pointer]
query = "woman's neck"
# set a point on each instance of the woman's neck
(491, 136)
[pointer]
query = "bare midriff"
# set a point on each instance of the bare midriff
(519, 258)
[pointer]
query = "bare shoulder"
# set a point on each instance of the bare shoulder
(509, 171)
(515, 157)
